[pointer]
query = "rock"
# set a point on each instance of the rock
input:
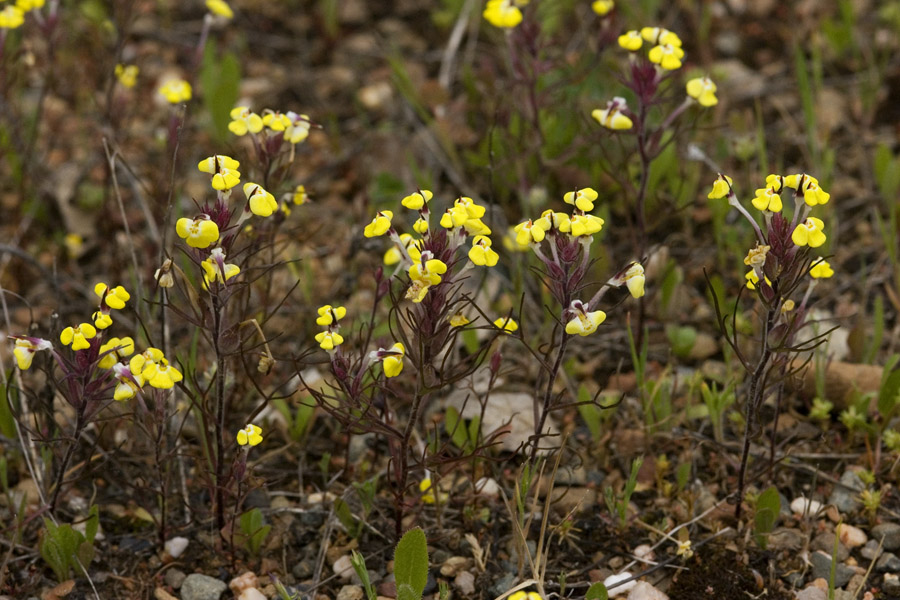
(252, 593)
(202, 587)
(453, 565)
(891, 584)
(465, 583)
(822, 568)
(161, 594)
(645, 552)
(503, 585)
(487, 487)
(850, 536)
(343, 567)
(176, 546)
(351, 592)
(174, 578)
(704, 347)
(803, 506)
(844, 495)
(888, 563)
(785, 538)
(242, 582)
(824, 542)
(645, 591)
(812, 593)
(303, 569)
(890, 532)
(871, 550)
(619, 590)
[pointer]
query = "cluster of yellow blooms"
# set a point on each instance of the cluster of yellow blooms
(13, 15)
(807, 230)
(329, 317)
(293, 126)
(665, 46)
(425, 270)
(149, 367)
(127, 76)
(175, 91)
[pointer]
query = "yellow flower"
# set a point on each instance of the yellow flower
(821, 270)
(161, 375)
(27, 5)
(102, 320)
(78, 336)
(767, 199)
(128, 382)
(392, 359)
(660, 35)
(507, 324)
(393, 254)
(703, 90)
(127, 75)
(380, 224)
(426, 489)
(113, 297)
(251, 435)
(809, 233)
(634, 279)
(298, 129)
(667, 56)
(776, 182)
(163, 275)
(176, 91)
(476, 227)
(459, 320)
(788, 306)
(224, 170)
(216, 269)
(329, 340)
(262, 203)
(481, 253)
(417, 200)
(583, 199)
(520, 595)
(529, 232)
(116, 348)
(424, 276)
(454, 216)
(244, 120)
(198, 233)
(219, 8)
(585, 323)
(558, 221)
(721, 187)
(752, 279)
(330, 315)
(602, 7)
(141, 361)
(612, 116)
(74, 244)
(11, 17)
(25, 349)
(586, 225)
(631, 40)
(475, 211)
(756, 257)
(809, 185)
(275, 121)
(504, 13)
(511, 242)
(300, 196)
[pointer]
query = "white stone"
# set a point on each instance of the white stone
(851, 536)
(487, 486)
(644, 552)
(176, 546)
(801, 506)
(252, 594)
(622, 589)
(343, 567)
(465, 583)
(645, 591)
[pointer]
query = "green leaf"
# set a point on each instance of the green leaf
(85, 554)
(589, 412)
(597, 591)
(220, 80)
(470, 341)
(7, 420)
(345, 516)
(411, 563)
(406, 592)
(768, 506)
(889, 394)
(92, 524)
(455, 428)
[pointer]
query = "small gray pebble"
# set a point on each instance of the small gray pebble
(888, 563)
(174, 578)
(202, 587)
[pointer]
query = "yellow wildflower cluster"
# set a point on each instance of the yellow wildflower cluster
(176, 91)
(417, 255)
(293, 126)
(127, 75)
(13, 15)
(111, 298)
(579, 224)
(665, 46)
